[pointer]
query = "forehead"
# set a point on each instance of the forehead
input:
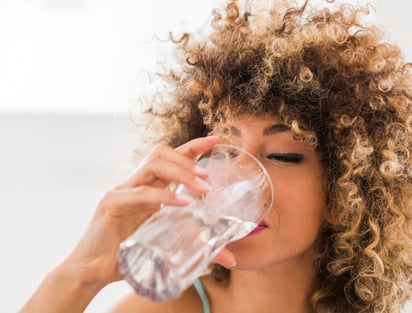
(259, 118)
(267, 126)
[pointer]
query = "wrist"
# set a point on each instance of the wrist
(64, 290)
(76, 289)
(80, 277)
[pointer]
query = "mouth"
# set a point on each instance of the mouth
(260, 227)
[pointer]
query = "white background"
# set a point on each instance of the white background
(70, 71)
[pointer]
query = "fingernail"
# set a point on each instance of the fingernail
(200, 170)
(202, 183)
(233, 264)
(184, 198)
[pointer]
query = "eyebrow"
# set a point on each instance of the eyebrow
(270, 130)
(274, 129)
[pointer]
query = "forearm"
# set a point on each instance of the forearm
(63, 290)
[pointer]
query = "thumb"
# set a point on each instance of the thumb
(225, 258)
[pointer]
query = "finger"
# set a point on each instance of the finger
(165, 152)
(193, 148)
(225, 258)
(159, 173)
(166, 171)
(142, 199)
(145, 174)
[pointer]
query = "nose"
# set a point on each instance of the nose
(237, 167)
(253, 148)
(246, 161)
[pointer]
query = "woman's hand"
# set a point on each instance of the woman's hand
(93, 263)
(124, 208)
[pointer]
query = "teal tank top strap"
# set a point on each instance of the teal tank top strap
(202, 295)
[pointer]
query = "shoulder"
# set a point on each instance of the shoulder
(188, 302)
(133, 303)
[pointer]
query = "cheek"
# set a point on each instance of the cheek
(294, 223)
(301, 206)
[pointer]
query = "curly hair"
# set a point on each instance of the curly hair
(335, 81)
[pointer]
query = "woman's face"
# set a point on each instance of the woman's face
(289, 230)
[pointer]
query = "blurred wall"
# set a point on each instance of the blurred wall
(53, 171)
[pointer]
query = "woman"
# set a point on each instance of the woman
(325, 105)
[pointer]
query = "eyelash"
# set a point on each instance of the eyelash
(286, 157)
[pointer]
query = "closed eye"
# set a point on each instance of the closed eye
(286, 157)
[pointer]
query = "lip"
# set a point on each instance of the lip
(259, 228)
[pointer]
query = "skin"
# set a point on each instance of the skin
(280, 259)
(93, 263)
(299, 194)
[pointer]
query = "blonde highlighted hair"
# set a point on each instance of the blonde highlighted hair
(337, 84)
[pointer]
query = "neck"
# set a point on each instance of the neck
(284, 287)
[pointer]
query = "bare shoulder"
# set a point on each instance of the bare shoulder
(136, 304)
(133, 303)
